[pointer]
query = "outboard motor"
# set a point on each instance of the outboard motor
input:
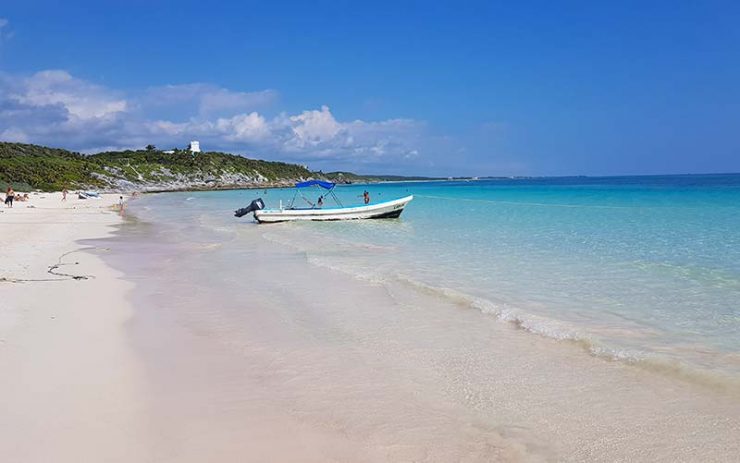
(256, 205)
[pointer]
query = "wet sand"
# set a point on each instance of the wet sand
(359, 370)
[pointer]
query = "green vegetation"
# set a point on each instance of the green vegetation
(41, 168)
(18, 186)
(153, 165)
(47, 169)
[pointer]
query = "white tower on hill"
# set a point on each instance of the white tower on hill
(194, 146)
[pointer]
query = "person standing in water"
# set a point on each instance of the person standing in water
(366, 197)
(9, 196)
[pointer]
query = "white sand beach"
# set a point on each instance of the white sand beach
(70, 387)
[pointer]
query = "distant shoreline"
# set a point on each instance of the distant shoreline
(540, 180)
(38, 168)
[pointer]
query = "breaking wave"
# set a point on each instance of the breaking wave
(538, 325)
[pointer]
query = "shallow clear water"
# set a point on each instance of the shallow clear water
(635, 268)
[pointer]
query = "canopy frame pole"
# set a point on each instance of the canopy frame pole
(306, 199)
(328, 186)
(335, 197)
(292, 201)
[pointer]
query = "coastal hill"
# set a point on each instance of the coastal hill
(42, 168)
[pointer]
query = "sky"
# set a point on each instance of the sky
(398, 87)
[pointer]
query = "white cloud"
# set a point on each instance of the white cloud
(312, 128)
(205, 99)
(81, 99)
(250, 127)
(55, 108)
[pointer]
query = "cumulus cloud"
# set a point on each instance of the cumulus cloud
(55, 108)
(81, 99)
(244, 127)
(58, 109)
(312, 128)
(312, 135)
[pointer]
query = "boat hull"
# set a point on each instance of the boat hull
(384, 210)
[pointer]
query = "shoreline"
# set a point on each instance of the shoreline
(285, 184)
(375, 365)
(170, 355)
(265, 186)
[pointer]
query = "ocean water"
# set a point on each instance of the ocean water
(503, 320)
(641, 270)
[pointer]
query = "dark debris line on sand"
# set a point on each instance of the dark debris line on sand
(52, 270)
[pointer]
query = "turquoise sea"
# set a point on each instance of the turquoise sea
(644, 270)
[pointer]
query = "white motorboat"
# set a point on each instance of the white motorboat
(382, 210)
(385, 210)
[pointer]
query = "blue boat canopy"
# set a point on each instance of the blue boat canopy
(321, 183)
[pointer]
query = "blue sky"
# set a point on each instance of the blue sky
(436, 88)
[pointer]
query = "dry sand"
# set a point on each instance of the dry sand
(70, 385)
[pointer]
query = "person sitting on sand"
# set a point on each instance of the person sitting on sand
(9, 196)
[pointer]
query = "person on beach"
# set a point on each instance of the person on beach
(64, 194)
(366, 197)
(9, 196)
(120, 203)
